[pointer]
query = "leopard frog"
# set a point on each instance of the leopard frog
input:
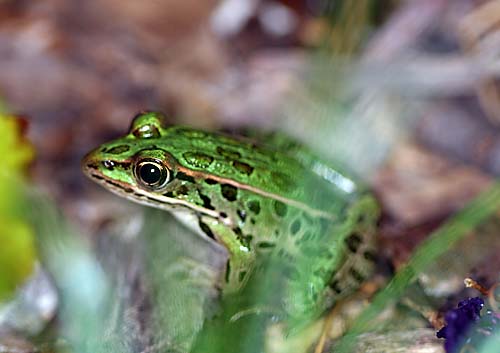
(257, 200)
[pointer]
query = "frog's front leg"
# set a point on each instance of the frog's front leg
(241, 257)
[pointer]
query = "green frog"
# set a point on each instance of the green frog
(272, 199)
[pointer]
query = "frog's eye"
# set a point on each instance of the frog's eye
(152, 174)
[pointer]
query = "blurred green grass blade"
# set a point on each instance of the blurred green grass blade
(437, 244)
(181, 272)
(85, 294)
(17, 255)
(225, 333)
(349, 23)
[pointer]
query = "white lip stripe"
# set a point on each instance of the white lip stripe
(163, 200)
(171, 201)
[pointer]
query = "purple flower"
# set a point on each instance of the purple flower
(458, 323)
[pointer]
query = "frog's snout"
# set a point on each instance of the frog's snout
(90, 162)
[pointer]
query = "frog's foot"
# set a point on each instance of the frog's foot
(192, 273)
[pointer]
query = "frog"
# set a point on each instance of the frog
(258, 198)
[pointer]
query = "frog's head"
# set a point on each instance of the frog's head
(139, 167)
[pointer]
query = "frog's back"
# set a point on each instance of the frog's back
(257, 166)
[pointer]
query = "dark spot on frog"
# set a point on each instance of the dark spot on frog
(184, 177)
(182, 190)
(242, 214)
(280, 208)
(334, 285)
(370, 256)
(353, 242)
(198, 159)
(266, 245)
(206, 229)
(228, 153)
(295, 227)
(358, 277)
(118, 149)
(169, 194)
(210, 181)
(241, 276)
(244, 239)
(229, 192)
(206, 201)
(223, 215)
(243, 168)
(254, 206)
(228, 271)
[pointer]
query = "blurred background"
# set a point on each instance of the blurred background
(402, 92)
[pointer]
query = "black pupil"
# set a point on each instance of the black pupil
(150, 173)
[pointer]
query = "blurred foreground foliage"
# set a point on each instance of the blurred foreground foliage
(17, 252)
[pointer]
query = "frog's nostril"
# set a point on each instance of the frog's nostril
(109, 164)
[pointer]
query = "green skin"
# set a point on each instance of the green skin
(256, 200)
